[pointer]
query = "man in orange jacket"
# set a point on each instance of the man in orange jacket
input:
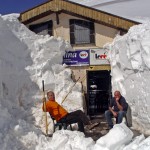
(60, 114)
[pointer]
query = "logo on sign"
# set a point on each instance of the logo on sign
(70, 55)
(101, 56)
(83, 54)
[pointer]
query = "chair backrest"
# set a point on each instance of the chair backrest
(129, 116)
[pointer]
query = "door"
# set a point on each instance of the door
(98, 91)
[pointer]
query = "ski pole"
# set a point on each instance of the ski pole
(69, 91)
(44, 106)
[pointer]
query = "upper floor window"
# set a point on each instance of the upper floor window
(42, 28)
(81, 32)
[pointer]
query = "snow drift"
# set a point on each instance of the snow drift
(25, 60)
(130, 70)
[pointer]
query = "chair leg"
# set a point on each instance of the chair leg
(71, 127)
(126, 121)
(65, 126)
(116, 120)
(60, 127)
(53, 126)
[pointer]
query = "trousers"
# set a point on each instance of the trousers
(109, 115)
(78, 117)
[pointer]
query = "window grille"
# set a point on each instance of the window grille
(82, 32)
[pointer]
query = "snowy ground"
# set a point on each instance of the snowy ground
(26, 59)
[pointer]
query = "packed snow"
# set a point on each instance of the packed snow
(26, 59)
(137, 10)
(130, 64)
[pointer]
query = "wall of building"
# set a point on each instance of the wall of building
(103, 34)
(80, 71)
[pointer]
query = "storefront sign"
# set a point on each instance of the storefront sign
(76, 58)
(98, 57)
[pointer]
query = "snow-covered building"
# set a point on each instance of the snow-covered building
(87, 29)
(83, 26)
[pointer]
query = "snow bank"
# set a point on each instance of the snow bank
(117, 137)
(46, 54)
(25, 60)
(134, 143)
(130, 64)
(70, 140)
(144, 145)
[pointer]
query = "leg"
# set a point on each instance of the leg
(80, 118)
(80, 114)
(72, 118)
(120, 116)
(108, 116)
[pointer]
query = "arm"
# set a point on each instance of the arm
(111, 109)
(124, 104)
(120, 107)
(113, 112)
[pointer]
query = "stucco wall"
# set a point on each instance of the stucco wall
(80, 71)
(103, 34)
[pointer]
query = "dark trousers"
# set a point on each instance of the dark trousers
(77, 117)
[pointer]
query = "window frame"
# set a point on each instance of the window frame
(83, 23)
(49, 25)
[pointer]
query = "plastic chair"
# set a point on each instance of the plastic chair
(128, 117)
(126, 121)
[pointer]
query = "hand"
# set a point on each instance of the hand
(115, 114)
(117, 99)
(44, 99)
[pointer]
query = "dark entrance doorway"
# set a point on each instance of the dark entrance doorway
(98, 91)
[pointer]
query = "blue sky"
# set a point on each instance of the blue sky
(17, 6)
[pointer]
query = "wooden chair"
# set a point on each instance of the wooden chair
(60, 124)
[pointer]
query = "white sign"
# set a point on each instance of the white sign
(98, 57)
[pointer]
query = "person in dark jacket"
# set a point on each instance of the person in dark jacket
(117, 108)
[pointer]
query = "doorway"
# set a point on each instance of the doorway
(98, 91)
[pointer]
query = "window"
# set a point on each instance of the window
(42, 28)
(81, 32)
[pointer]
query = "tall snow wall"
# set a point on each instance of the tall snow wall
(130, 70)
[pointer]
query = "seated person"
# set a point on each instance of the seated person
(117, 108)
(60, 114)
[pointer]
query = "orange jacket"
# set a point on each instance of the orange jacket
(55, 110)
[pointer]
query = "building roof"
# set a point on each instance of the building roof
(137, 10)
(72, 8)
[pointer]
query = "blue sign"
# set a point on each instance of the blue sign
(76, 58)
